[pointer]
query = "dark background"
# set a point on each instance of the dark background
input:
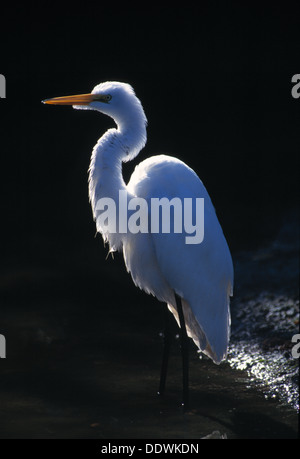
(215, 83)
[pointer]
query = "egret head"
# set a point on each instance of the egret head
(115, 99)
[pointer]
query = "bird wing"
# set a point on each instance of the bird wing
(201, 274)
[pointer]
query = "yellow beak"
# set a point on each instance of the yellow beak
(80, 99)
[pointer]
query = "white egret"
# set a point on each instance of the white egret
(195, 280)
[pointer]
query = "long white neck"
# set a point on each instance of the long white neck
(105, 171)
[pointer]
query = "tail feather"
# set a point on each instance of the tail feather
(212, 340)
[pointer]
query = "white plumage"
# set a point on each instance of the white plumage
(160, 264)
(201, 274)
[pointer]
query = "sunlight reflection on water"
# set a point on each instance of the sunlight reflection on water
(276, 375)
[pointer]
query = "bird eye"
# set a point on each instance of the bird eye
(102, 97)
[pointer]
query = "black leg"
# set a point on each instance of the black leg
(185, 354)
(166, 352)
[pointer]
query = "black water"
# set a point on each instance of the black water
(83, 361)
